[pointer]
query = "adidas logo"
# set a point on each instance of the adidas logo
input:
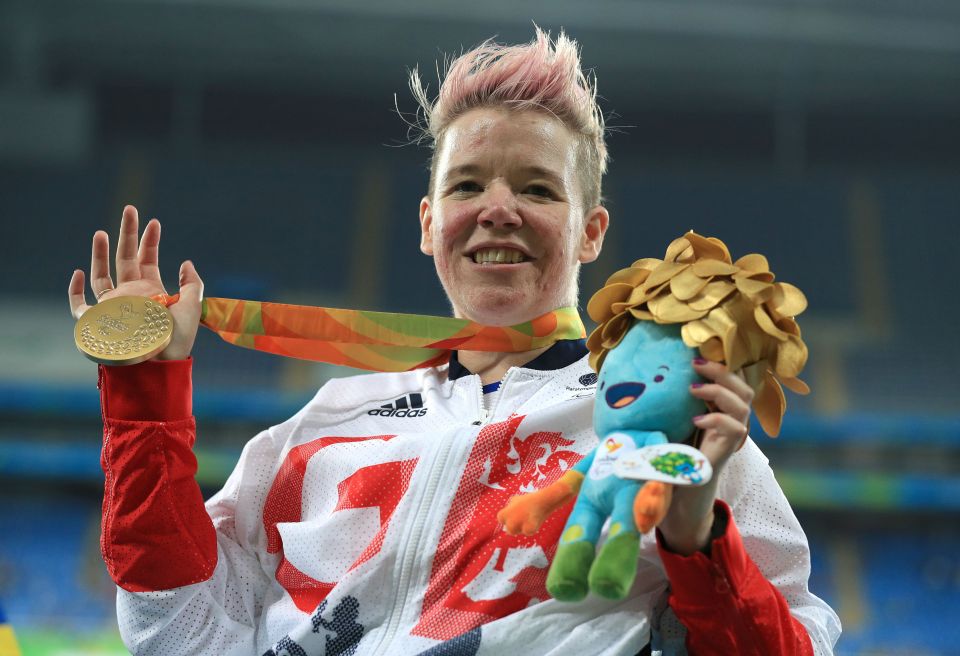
(410, 405)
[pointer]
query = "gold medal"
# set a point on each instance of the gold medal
(124, 330)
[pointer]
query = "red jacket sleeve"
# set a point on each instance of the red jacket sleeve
(156, 533)
(726, 604)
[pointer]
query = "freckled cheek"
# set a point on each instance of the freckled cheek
(555, 274)
(446, 263)
(454, 229)
(559, 250)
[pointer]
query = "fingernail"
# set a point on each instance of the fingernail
(698, 418)
(696, 385)
(699, 361)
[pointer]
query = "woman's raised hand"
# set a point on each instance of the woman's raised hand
(138, 274)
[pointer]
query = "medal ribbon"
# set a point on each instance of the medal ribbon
(377, 341)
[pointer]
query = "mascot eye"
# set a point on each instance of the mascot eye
(603, 384)
(658, 378)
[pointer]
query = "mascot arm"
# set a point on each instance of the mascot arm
(526, 513)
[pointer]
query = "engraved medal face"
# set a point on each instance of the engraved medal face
(124, 330)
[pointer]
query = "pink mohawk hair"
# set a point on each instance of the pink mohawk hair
(544, 75)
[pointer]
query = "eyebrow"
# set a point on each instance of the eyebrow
(540, 172)
(463, 169)
(663, 366)
(531, 171)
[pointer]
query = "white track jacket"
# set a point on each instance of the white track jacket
(366, 524)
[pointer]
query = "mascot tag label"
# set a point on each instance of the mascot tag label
(611, 449)
(677, 464)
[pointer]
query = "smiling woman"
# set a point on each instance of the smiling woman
(354, 528)
(507, 192)
(518, 157)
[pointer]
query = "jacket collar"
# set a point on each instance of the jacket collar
(562, 354)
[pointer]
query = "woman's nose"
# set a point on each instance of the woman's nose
(499, 208)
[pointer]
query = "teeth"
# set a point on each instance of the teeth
(498, 256)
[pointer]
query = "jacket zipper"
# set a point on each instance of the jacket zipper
(402, 590)
(481, 408)
(486, 415)
(413, 539)
(500, 394)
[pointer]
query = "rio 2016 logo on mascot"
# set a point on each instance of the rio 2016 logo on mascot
(653, 319)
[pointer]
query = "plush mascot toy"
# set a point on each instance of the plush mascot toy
(653, 319)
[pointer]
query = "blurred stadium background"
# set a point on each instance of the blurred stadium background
(825, 134)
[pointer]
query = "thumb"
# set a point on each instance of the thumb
(191, 286)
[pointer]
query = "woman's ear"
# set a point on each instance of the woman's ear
(426, 221)
(594, 228)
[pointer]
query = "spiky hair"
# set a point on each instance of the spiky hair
(544, 75)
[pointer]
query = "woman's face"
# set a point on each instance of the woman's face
(506, 225)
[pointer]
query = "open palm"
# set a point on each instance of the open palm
(138, 274)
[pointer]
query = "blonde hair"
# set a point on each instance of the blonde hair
(733, 312)
(543, 75)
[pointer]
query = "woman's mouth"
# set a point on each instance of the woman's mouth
(495, 256)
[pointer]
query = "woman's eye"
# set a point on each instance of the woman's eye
(539, 190)
(658, 378)
(467, 186)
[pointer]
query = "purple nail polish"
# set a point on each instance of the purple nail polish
(699, 361)
(697, 418)
(696, 385)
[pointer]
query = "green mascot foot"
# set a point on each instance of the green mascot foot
(567, 579)
(616, 566)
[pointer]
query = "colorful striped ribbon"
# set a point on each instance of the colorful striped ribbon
(377, 341)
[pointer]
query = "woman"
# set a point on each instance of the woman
(349, 529)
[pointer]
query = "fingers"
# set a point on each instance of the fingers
(718, 424)
(191, 286)
(132, 264)
(726, 429)
(723, 399)
(719, 374)
(128, 268)
(722, 435)
(728, 392)
(100, 280)
(148, 257)
(78, 301)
